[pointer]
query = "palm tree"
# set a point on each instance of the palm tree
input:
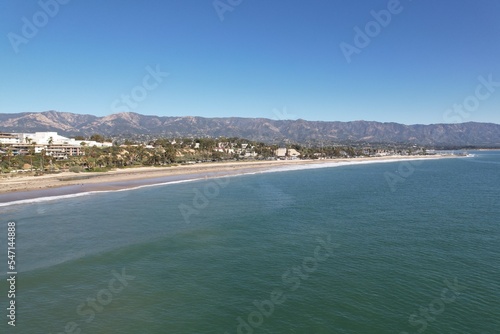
(41, 160)
(9, 153)
(31, 153)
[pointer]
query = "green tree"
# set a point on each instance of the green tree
(9, 154)
(31, 153)
(42, 154)
(98, 138)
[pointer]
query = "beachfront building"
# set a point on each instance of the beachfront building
(285, 153)
(293, 153)
(64, 151)
(42, 138)
(280, 152)
(52, 143)
(53, 138)
(225, 147)
(26, 149)
(9, 138)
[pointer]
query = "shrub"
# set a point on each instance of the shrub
(75, 169)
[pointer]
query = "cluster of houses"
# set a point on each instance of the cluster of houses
(50, 142)
(249, 151)
(61, 147)
(230, 148)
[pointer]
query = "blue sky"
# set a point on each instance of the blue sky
(254, 58)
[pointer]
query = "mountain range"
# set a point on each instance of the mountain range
(260, 129)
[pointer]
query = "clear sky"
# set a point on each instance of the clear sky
(254, 58)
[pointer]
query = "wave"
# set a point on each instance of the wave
(88, 193)
(334, 164)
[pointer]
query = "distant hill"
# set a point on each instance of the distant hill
(261, 129)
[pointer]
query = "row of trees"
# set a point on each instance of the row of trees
(162, 152)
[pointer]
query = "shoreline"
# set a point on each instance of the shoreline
(22, 188)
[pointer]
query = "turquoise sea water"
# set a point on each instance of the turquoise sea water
(375, 248)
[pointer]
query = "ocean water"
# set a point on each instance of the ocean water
(399, 247)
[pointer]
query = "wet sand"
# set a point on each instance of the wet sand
(21, 187)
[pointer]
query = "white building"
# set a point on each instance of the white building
(284, 152)
(9, 138)
(51, 142)
(280, 152)
(293, 153)
(52, 138)
(41, 138)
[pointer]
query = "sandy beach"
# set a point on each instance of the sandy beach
(22, 186)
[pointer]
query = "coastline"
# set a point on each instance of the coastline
(19, 188)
